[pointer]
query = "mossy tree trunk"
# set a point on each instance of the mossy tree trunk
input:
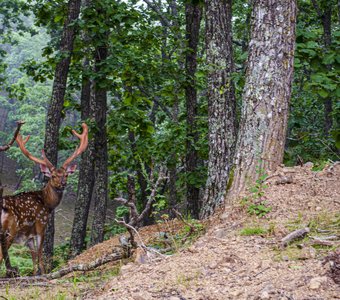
(86, 175)
(221, 102)
(267, 92)
(55, 110)
(100, 192)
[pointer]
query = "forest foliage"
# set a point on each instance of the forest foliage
(144, 75)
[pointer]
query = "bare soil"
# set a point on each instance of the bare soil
(223, 264)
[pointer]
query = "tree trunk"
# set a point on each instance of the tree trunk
(100, 145)
(267, 92)
(193, 13)
(221, 102)
(55, 109)
(86, 177)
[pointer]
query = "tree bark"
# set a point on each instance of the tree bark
(267, 92)
(55, 109)
(221, 102)
(86, 177)
(100, 195)
(193, 14)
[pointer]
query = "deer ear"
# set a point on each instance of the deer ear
(71, 169)
(45, 170)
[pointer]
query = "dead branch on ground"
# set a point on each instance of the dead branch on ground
(297, 234)
(118, 254)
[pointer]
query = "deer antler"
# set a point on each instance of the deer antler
(6, 147)
(23, 149)
(82, 147)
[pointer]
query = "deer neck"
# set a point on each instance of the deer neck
(52, 196)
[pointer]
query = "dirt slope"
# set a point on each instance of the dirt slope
(226, 265)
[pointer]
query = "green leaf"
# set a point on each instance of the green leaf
(329, 58)
(323, 93)
(57, 18)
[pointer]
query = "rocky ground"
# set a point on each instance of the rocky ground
(240, 256)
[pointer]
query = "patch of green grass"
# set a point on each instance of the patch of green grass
(320, 165)
(322, 224)
(20, 257)
(259, 210)
(247, 231)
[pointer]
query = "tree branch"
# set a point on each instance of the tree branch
(151, 197)
(163, 19)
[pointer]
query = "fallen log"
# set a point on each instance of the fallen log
(118, 254)
(297, 234)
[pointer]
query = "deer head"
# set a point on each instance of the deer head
(58, 176)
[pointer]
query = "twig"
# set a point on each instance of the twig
(323, 243)
(151, 197)
(141, 245)
(265, 269)
(192, 228)
(29, 279)
(122, 222)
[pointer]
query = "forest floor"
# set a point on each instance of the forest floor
(238, 257)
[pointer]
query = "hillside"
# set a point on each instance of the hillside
(239, 257)
(224, 265)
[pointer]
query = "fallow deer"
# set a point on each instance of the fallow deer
(24, 216)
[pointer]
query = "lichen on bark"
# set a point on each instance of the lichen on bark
(267, 92)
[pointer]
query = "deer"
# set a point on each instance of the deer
(25, 216)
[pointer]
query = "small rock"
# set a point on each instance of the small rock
(221, 233)
(308, 165)
(236, 293)
(213, 265)
(285, 258)
(264, 295)
(316, 282)
(224, 216)
(138, 297)
(266, 264)
(174, 298)
(318, 208)
(226, 270)
(258, 265)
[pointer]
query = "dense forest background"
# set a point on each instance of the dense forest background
(145, 65)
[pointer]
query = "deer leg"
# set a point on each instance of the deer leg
(31, 245)
(5, 245)
(40, 242)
